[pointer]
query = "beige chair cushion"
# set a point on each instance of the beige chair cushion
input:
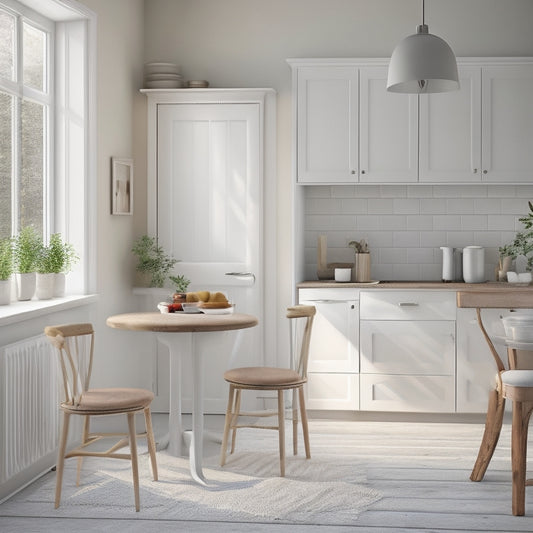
(263, 376)
(112, 400)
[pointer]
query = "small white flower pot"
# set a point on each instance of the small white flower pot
(44, 286)
(59, 285)
(5, 291)
(25, 286)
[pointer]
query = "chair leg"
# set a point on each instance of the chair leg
(84, 438)
(134, 462)
(305, 427)
(151, 441)
(227, 423)
(521, 414)
(281, 430)
(294, 422)
(234, 419)
(61, 457)
(493, 426)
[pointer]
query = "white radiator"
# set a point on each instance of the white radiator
(29, 408)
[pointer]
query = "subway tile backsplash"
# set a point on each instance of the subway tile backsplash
(405, 225)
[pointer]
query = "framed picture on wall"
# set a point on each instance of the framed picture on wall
(121, 186)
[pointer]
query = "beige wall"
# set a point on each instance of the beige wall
(244, 43)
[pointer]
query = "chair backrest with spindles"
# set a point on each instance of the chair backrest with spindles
(301, 336)
(75, 345)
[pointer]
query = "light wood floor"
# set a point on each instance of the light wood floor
(421, 468)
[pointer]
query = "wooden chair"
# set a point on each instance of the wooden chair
(514, 384)
(518, 387)
(75, 345)
(273, 379)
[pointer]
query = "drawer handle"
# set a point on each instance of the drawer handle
(408, 304)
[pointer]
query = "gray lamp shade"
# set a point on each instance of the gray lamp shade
(422, 63)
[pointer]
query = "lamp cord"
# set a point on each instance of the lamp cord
(423, 12)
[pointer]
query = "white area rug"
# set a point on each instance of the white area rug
(322, 490)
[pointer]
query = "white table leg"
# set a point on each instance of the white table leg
(197, 438)
(174, 344)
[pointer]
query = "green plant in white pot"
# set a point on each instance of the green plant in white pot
(522, 245)
(55, 261)
(6, 270)
(27, 247)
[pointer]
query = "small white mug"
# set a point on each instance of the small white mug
(343, 275)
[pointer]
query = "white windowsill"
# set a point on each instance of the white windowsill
(19, 311)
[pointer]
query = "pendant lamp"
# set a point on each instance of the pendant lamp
(422, 63)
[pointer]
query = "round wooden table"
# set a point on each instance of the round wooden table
(194, 326)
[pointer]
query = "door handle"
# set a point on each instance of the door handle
(408, 304)
(241, 275)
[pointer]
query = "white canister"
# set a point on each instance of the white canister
(343, 275)
(474, 264)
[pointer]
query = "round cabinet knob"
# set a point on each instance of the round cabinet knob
(484, 172)
(474, 171)
(353, 171)
(363, 172)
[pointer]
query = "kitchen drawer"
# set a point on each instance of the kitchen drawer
(325, 294)
(331, 391)
(408, 347)
(408, 305)
(429, 394)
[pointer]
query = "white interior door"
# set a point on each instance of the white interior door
(209, 216)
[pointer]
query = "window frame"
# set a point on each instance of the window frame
(71, 195)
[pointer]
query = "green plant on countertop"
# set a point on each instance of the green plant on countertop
(152, 260)
(6, 258)
(523, 241)
(58, 257)
(181, 283)
(28, 244)
(359, 247)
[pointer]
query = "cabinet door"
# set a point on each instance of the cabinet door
(450, 132)
(507, 119)
(408, 347)
(476, 369)
(330, 391)
(426, 394)
(327, 127)
(335, 336)
(388, 131)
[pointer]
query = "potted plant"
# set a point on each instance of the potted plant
(27, 247)
(152, 260)
(181, 284)
(522, 245)
(44, 286)
(6, 269)
(362, 260)
(62, 257)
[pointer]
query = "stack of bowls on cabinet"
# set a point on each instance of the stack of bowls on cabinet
(162, 76)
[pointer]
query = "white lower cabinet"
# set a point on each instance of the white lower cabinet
(333, 371)
(387, 392)
(476, 369)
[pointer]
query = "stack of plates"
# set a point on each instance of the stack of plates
(162, 76)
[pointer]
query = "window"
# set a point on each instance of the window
(47, 128)
(26, 111)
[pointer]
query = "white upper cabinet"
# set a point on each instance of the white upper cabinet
(327, 118)
(450, 131)
(507, 123)
(388, 125)
(483, 132)
(349, 129)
